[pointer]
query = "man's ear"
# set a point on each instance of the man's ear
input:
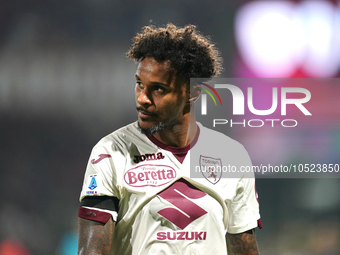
(195, 92)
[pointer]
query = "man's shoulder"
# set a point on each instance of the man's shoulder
(212, 136)
(122, 136)
(216, 145)
(131, 128)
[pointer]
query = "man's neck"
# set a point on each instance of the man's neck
(181, 135)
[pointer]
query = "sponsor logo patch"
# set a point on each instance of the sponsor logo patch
(196, 235)
(149, 175)
(93, 184)
(181, 194)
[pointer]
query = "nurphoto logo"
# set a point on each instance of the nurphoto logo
(276, 95)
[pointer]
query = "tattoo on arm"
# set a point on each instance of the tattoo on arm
(95, 238)
(242, 244)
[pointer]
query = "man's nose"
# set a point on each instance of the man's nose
(143, 97)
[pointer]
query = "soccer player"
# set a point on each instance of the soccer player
(137, 196)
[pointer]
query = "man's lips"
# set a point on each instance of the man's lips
(145, 113)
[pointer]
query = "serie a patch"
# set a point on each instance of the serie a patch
(94, 181)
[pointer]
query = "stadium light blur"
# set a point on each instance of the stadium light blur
(277, 38)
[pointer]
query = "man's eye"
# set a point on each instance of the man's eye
(159, 88)
(139, 83)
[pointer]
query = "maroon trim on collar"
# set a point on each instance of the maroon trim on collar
(178, 152)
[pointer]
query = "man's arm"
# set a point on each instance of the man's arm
(242, 244)
(95, 238)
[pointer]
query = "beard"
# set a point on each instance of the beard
(168, 125)
(151, 130)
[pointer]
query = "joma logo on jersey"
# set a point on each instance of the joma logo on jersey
(147, 157)
(149, 175)
(100, 158)
(184, 211)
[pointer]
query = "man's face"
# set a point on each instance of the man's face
(160, 98)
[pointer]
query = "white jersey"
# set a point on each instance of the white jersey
(161, 209)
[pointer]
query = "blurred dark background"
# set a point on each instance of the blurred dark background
(65, 83)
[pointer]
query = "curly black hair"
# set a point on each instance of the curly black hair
(189, 53)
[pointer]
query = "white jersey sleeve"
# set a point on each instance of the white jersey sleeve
(244, 208)
(100, 177)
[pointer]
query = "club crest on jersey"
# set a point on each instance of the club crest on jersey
(211, 168)
(148, 156)
(149, 175)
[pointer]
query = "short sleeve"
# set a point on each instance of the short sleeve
(244, 208)
(100, 177)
